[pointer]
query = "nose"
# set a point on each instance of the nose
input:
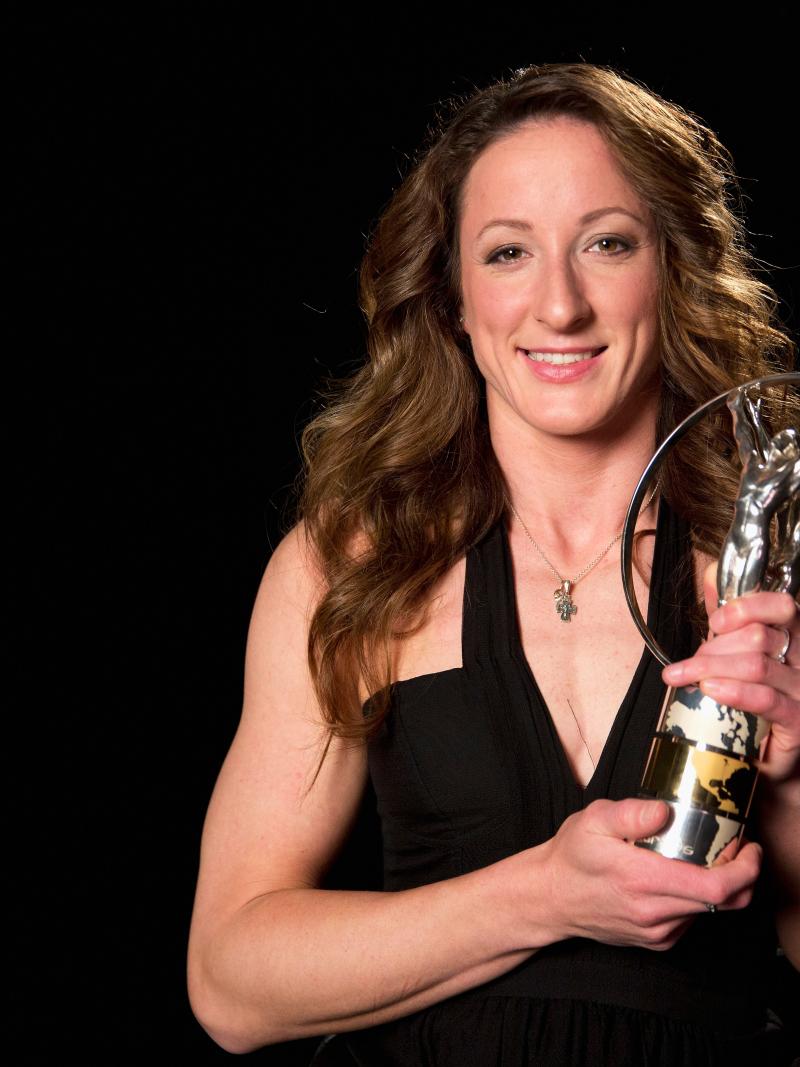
(559, 299)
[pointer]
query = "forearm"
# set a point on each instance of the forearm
(779, 834)
(300, 962)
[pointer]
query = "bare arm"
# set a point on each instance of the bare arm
(272, 957)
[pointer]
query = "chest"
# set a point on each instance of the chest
(582, 668)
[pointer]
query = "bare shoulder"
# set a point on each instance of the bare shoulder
(279, 697)
(293, 581)
(290, 589)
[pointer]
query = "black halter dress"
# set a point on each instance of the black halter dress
(467, 769)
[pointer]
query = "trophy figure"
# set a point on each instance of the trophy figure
(702, 761)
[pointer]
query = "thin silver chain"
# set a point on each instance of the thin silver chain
(595, 561)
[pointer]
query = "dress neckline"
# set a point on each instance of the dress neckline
(597, 783)
(490, 628)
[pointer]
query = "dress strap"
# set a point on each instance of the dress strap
(488, 620)
(672, 586)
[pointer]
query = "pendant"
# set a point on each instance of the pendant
(564, 604)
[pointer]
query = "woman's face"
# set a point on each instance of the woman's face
(559, 282)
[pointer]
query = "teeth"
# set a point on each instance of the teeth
(558, 358)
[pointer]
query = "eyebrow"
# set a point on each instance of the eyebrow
(520, 224)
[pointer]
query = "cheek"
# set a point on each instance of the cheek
(644, 315)
(494, 309)
(636, 306)
(649, 327)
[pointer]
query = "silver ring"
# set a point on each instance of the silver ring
(781, 657)
(711, 907)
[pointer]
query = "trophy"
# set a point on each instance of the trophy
(702, 760)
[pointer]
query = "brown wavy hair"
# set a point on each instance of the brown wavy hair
(400, 476)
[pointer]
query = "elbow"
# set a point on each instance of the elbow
(227, 1031)
(226, 1037)
(227, 1025)
(231, 1042)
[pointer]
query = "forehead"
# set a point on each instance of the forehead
(558, 166)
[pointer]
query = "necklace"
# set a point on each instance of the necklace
(565, 606)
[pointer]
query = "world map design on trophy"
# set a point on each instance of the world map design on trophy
(692, 714)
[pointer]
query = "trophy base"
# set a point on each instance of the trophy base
(708, 793)
(692, 835)
(698, 776)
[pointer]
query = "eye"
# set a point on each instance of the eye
(506, 254)
(606, 245)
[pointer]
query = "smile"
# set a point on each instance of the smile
(560, 358)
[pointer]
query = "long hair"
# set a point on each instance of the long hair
(400, 476)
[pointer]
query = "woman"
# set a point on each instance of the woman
(558, 281)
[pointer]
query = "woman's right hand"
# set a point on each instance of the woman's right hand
(604, 888)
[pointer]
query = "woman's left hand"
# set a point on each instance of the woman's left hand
(738, 665)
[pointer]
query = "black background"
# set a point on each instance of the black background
(190, 189)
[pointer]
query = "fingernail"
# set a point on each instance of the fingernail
(650, 811)
(673, 673)
(711, 687)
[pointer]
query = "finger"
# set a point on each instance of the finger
(755, 637)
(691, 885)
(741, 898)
(738, 900)
(649, 911)
(776, 609)
(672, 908)
(754, 668)
(629, 819)
(734, 882)
(730, 851)
(747, 858)
(777, 707)
(695, 886)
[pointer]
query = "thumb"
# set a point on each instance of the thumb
(634, 818)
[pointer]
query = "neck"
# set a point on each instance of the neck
(573, 492)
